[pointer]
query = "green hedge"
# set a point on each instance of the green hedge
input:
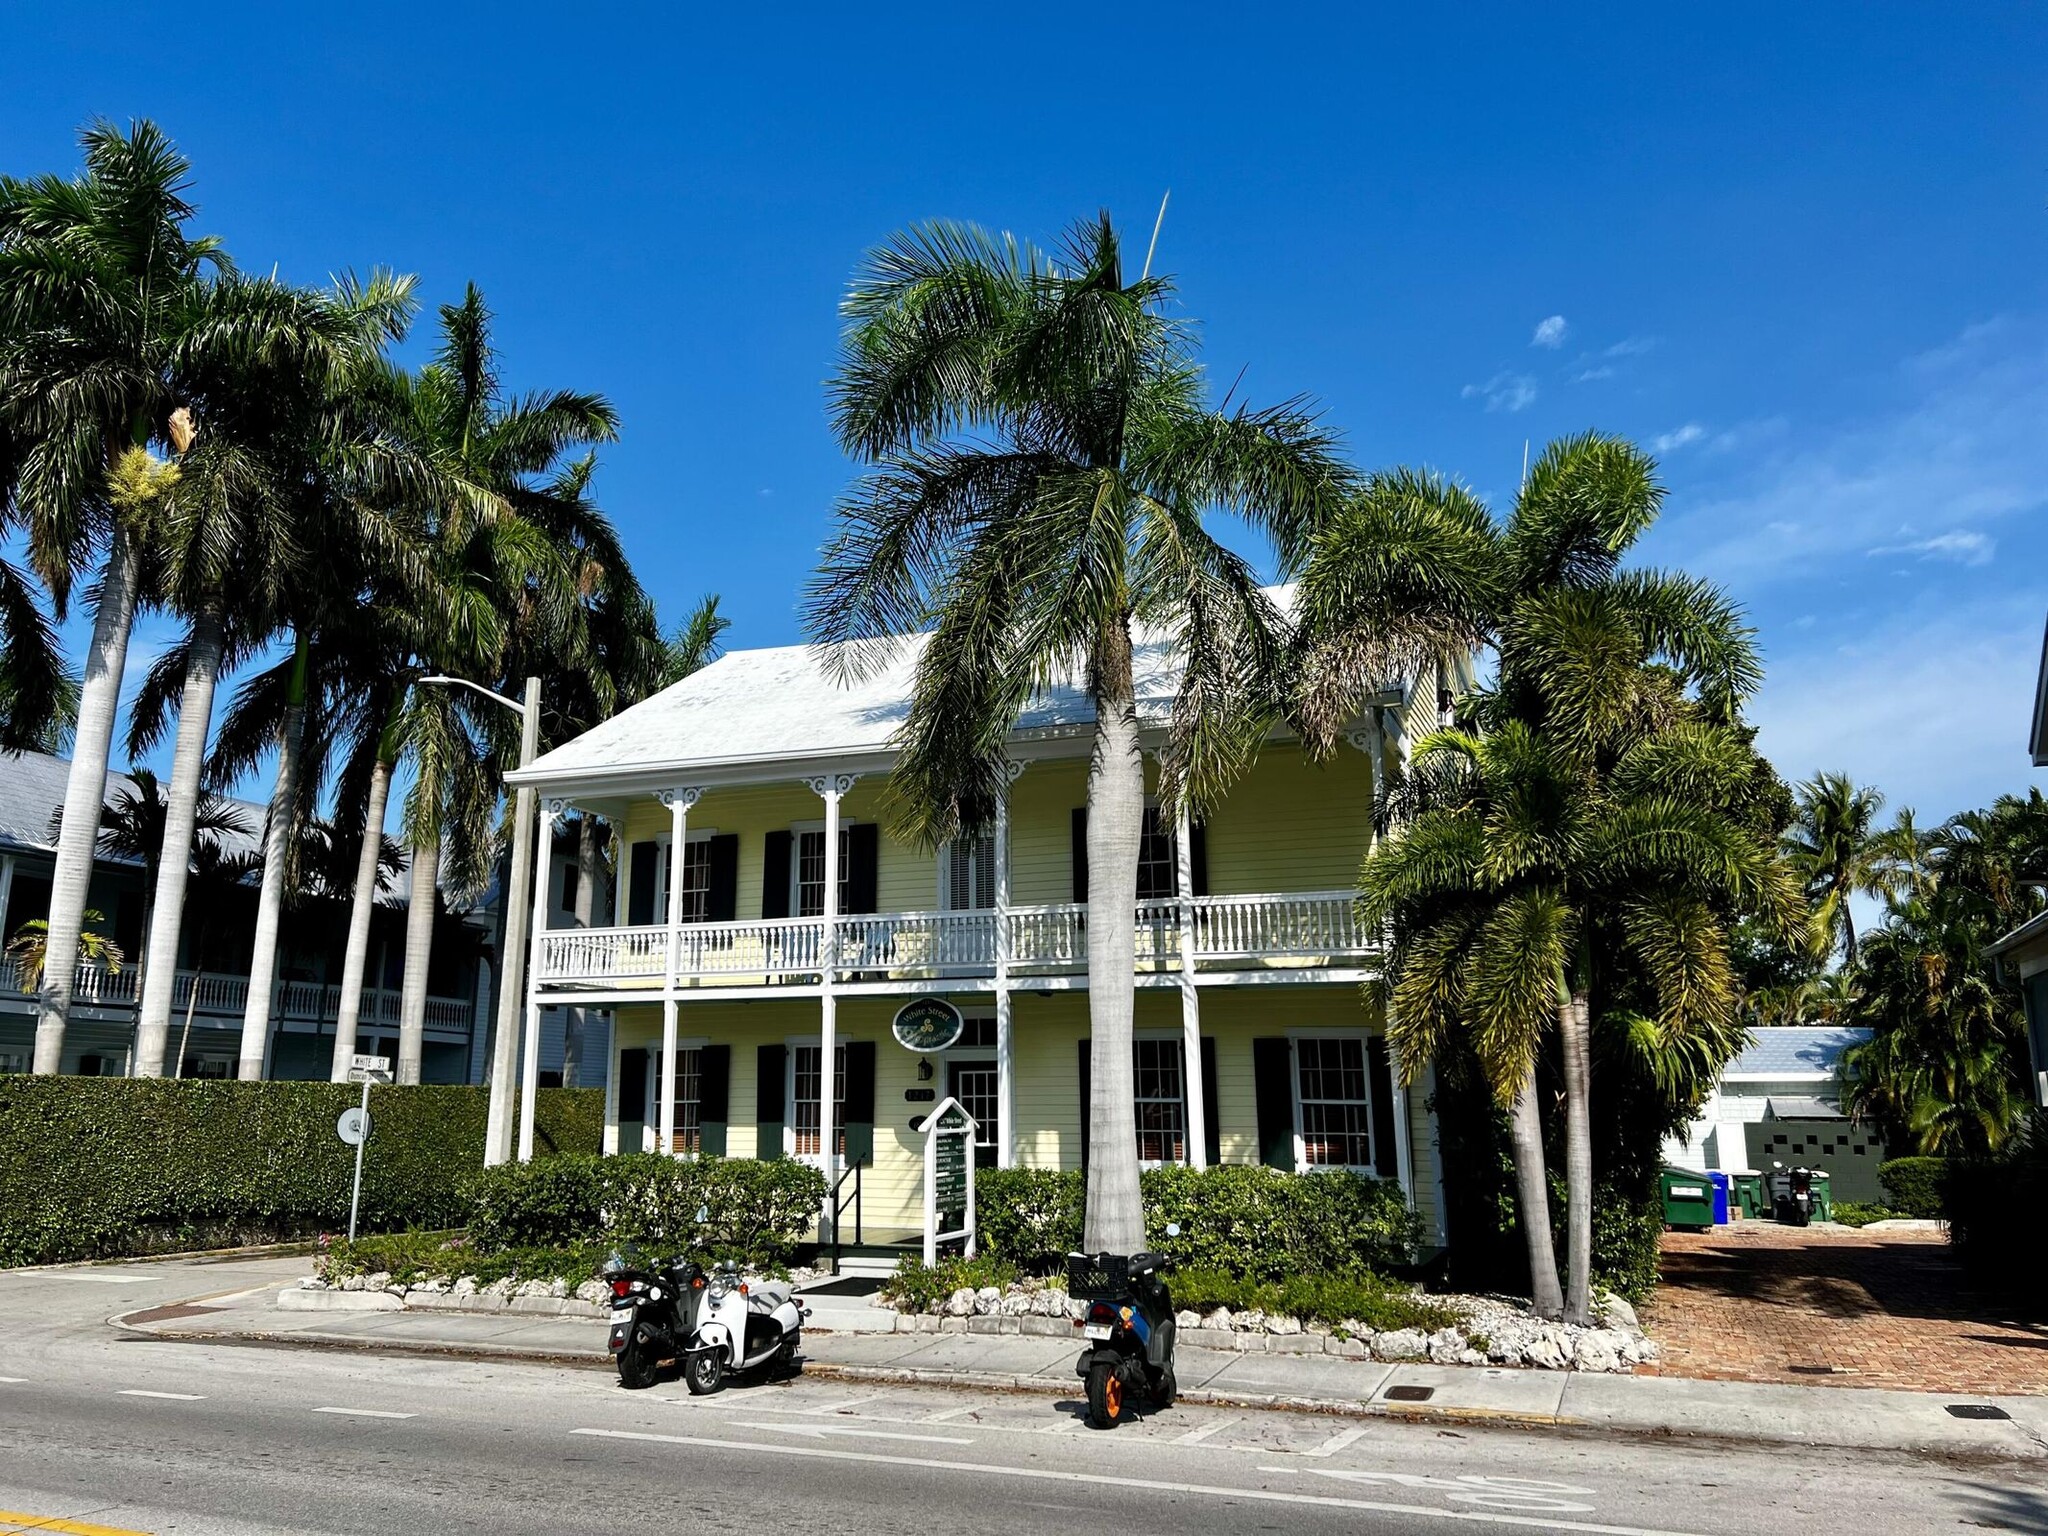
(1252, 1222)
(1913, 1186)
(98, 1167)
(757, 1211)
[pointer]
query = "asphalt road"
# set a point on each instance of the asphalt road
(102, 1430)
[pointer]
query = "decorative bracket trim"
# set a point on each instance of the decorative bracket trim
(553, 806)
(831, 784)
(1013, 769)
(687, 797)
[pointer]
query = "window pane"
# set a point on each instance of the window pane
(810, 871)
(1336, 1129)
(1156, 879)
(689, 1120)
(803, 1112)
(1159, 1104)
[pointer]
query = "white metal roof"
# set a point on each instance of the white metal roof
(32, 792)
(781, 705)
(1794, 1051)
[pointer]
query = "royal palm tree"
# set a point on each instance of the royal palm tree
(1045, 459)
(120, 332)
(1409, 581)
(1840, 853)
(695, 642)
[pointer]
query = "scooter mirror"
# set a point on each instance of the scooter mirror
(1173, 1229)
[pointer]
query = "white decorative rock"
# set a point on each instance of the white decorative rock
(1547, 1353)
(594, 1291)
(1283, 1325)
(960, 1303)
(1187, 1318)
(1399, 1344)
(1445, 1345)
(466, 1286)
(1018, 1305)
(1597, 1351)
(1221, 1319)
(1471, 1357)
(1617, 1313)
(378, 1281)
(1249, 1322)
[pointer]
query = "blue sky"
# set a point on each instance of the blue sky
(1801, 251)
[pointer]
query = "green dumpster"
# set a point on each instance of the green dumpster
(1688, 1199)
(1823, 1197)
(1749, 1196)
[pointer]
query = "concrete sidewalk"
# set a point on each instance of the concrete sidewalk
(2006, 1428)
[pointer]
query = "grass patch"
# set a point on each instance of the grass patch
(1861, 1213)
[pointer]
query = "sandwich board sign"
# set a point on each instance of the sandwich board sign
(948, 1178)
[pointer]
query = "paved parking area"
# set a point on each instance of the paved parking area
(1759, 1302)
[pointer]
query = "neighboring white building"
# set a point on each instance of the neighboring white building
(1779, 1101)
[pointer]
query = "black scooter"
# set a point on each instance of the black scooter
(1792, 1194)
(1129, 1327)
(654, 1313)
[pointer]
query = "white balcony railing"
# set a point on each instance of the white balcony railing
(1294, 929)
(222, 996)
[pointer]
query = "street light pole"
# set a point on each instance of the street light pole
(518, 905)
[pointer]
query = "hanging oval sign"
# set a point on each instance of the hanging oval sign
(926, 1024)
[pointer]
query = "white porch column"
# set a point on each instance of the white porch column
(1006, 1048)
(678, 802)
(830, 788)
(1404, 1152)
(529, 1066)
(1190, 1003)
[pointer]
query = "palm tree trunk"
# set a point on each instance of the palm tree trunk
(1575, 1030)
(85, 792)
(586, 905)
(174, 863)
(1115, 1216)
(356, 960)
(419, 949)
(1848, 935)
(1532, 1191)
(277, 851)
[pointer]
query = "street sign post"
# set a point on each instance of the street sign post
(354, 1125)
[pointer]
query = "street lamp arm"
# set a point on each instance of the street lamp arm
(462, 682)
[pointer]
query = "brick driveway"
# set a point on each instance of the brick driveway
(1755, 1301)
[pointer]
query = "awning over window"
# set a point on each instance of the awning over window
(1801, 1109)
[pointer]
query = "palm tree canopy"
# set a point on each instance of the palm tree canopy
(1835, 845)
(1045, 460)
(695, 642)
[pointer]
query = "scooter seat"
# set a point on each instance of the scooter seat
(767, 1295)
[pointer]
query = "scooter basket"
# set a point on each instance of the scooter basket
(1098, 1276)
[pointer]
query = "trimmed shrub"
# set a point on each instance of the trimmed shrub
(1255, 1222)
(1859, 1213)
(98, 1167)
(411, 1257)
(1913, 1185)
(1628, 1239)
(756, 1211)
(915, 1286)
(1330, 1299)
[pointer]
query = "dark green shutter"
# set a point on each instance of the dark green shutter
(1386, 1160)
(775, 875)
(632, 1093)
(722, 899)
(1086, 1048)
(863, 866)
(1212, 1122)
(641, 883)
(1080, 853)
(769, 1063)
(1273, 1088)
(1198, 860)
(714, 1091)
(860, 1102)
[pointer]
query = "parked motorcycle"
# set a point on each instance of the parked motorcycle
(741, 1325)
(1792, 1194)
(714, 1322)
(1130, 1331)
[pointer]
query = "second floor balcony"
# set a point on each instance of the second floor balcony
(213, 996)
(1306, 933)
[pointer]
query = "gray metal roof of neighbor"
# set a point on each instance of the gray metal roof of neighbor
(1795, 1050)
(32, 791)
(1801, 1109)
(782, 704)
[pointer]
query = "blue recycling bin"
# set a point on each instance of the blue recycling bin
(1720, 1181)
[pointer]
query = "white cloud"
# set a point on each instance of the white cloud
(1550, 333)
(1964, 546)
(1683, 437)
(1631, 346)
(1504, 392)
(1962, 450)
(1932, 707)
(1587, 376)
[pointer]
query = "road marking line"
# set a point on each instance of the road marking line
(940, 1418)
(1106, 1480)
(368, 1413)
(1337, 1442)
(176, 1397)
(850, 1404)
(1197, 1436)
(819, 1431)
(107, 1279)
(13, 1520)
(15, 1381)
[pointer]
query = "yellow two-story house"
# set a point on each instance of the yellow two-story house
(792, 928)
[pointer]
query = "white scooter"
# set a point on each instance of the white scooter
(739, 1325)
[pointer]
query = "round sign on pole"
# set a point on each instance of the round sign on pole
(926, 1024)
(353, 1127)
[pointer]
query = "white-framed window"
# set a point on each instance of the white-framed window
(696, 876)
(1158, 876)
(689, 1097)
(1333, 1102)
(800, 1136)
(807, 867)
(972, 1077)
(967, 874)
(1159, 1099)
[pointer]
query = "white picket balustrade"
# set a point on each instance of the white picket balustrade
(919, 943)
(1306, 925)
(775, 946)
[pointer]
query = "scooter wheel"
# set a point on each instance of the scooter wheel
(1108, 1402)
(638, 1368)
(704, 1373)
(1164, 1389)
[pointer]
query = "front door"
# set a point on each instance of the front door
(973, 1083)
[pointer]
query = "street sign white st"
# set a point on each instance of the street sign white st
(370, 1063)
